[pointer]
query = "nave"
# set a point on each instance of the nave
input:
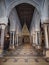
(25, 50)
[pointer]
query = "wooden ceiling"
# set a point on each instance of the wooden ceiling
(25, 12)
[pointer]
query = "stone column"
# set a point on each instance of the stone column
(37, 37)
(12, 40)
(10, 46)
(30, 38)
(46, 40)
(17, 40)
(2, 39)
(33, 38)
(46, 36)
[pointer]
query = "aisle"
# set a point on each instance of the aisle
(26, 50)
(23, 50)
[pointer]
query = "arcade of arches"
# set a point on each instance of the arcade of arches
(24, 30)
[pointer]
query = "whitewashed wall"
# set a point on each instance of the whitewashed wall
(44, 12)
(14, 20)
(35, 25)
(3, 18)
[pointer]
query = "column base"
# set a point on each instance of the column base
(11, 48)
(17, 45)
(34, 45)
(47, 53)
(1, 53)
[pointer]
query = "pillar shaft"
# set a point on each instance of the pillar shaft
(2, 38)
(10, 46)
(30, 38)
(33, 38)
(12, 38)
(46, 36)
(17, 40)
(37, 38)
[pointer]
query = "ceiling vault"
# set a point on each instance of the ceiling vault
(25, 12)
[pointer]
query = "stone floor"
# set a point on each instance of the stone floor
(24, 50)
(24, 55)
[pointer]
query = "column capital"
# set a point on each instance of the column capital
(4, 20)
(12, 31)
(3, 25)
(17, 34)
(46, 21)
(46, 35)
(45, 25)
(37, 31)
(34, 33)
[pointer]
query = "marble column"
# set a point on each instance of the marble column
(46, 40)
(2, 39)
(37, 37)
(30, 39)
(17, 40)
(12, 40)
(46, 36)
(34, 39)
(10, 46)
